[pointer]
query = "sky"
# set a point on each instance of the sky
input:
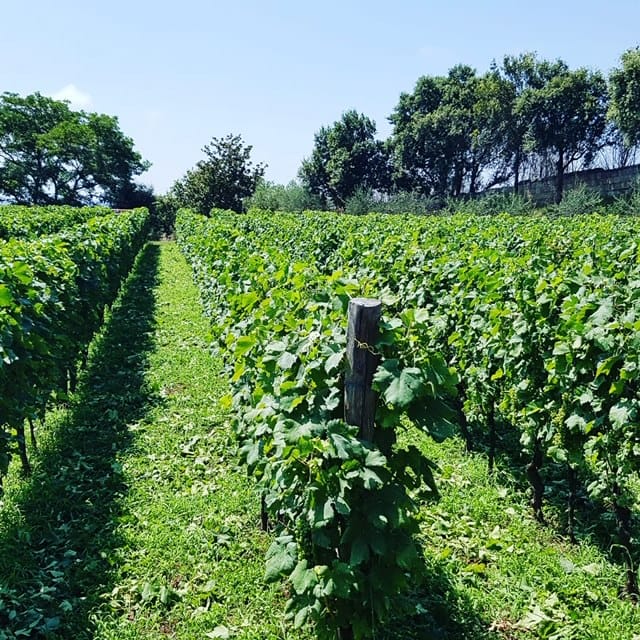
(181, 73)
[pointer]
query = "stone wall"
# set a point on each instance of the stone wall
(608, 182)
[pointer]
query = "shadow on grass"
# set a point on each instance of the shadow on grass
(436, 610)
(594, 521)
(57, 535)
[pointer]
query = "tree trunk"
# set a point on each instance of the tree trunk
(623, 520)
(571, 507)
(474, 178)
(491, 421)
(22, 450)
(345, 633)
(32, 432)
(516, 172)
(559, 177)
(462, 418)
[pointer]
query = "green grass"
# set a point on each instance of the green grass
(523, 579)
(137, 522)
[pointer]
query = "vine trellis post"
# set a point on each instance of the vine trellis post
(362, 361)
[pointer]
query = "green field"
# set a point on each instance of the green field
(508, 353)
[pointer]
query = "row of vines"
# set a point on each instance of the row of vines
(17, 221)
(53, 293)
(509, 330)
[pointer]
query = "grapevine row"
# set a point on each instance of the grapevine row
(53, 292)
(17, 221)
(343, 508)
(538, 317)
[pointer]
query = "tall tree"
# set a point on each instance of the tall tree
(50, 154)
(418, 142)
(222, 180)
(567, 118)
(445, 137)
(346, 157)
(624, 87)
(521, 73)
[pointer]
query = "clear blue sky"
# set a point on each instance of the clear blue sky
(177, 74)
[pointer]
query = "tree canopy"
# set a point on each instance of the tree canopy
(51, 154)
(462, 132)
(222, 180)
(346, 157)
(624, 85)
(446, 137)
(567, 118)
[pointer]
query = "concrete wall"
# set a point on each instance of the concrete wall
(609, 182)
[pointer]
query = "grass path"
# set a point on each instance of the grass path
(137, 524)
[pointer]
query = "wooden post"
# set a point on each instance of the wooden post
(362, 361)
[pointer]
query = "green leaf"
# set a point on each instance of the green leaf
(561, 349)
(498, 374)
(407, 555)
(243, 344)
(333, 362)
(604, 368)
(301, 617)
(370, 479)
(359, 552)
(281, 558)
(375, 458)
(620, 414)
(328, 510)
(342, 445)
(6, 299)
(287, 360)
(302, 579)
(400, 387)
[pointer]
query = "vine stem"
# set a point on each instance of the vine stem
(533, 475)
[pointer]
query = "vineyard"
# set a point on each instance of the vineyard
(520, 334)
(507, 350)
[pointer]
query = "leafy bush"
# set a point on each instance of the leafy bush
(628, 205)
(493, 203)
(366, 201)
(578, 201)
(293, 197)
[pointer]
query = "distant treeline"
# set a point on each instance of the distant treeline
(460, 134)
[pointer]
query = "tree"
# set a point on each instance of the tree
(445, 138)
(624, 88)
(346, 157)
(566, 116)
(222, 180)
(278, 197)
(418, 142)
(50, 154)
(520, 73)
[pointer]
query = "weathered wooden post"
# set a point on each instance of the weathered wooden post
(362, 361)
